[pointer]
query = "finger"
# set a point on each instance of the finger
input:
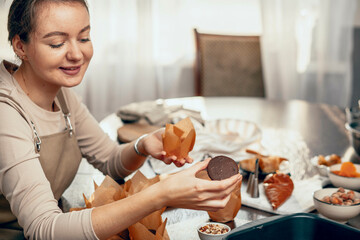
(225, 186)
(221, 191)
(178, 163)
(202, 165)
(199, 166)
(235, 179)
(167, 161)
(229, 182)
(183, 160)
(173, 158)
(214, 204)
(189, 159)
(160, 155)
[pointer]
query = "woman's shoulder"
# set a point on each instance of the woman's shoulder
(6, 82)
(12, 122)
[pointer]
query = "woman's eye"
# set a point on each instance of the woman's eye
(56, 45)
(85, 40)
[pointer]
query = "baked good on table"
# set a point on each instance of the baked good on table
(329, 160)
(267, 164)
(221, 167)
(278, 188)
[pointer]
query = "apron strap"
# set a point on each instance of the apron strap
(17, 106)
(62, 102)
(65, 110)
(13, 103)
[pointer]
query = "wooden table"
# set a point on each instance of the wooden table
(300, 128)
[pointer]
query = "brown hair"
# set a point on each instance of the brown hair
(21, 19)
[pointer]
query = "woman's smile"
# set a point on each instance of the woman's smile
(71, 70)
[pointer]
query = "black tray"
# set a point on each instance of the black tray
(299, 226)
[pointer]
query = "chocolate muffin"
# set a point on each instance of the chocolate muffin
(222, 167)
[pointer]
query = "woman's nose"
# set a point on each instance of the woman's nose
(74, 52)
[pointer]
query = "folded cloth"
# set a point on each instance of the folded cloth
(155, 113)
(225, 137)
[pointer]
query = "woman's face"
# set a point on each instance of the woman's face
(59, 50)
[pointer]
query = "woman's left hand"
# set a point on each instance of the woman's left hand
(153, 145)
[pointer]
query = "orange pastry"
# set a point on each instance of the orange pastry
(347, 169)
(278, 188)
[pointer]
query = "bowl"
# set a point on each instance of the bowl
(212, 236)
(231, 134)
(339, 213)
(307, 226)
(352, 183)
(321, 169)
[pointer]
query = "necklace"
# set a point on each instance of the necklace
(24, 81)
(28, 93)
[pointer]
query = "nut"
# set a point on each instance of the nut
(213, 229)
(341, 198)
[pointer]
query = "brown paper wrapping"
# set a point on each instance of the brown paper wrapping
(179, 139)
(150, 227)
(232, 207)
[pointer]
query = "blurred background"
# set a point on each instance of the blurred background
(145, 49)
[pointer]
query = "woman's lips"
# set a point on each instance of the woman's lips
(70, 70)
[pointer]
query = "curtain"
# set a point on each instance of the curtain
(145, 49)
(307, 49)
(122, 69)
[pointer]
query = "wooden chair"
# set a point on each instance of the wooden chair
(228, 65)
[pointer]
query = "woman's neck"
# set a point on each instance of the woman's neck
(36, 88)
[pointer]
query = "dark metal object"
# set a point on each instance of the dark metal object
(253, 182)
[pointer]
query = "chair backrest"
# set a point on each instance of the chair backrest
(228, 65)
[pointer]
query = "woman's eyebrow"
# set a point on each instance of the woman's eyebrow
(57, 33)
(85, 29)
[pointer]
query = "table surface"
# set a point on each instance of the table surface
(295, 128)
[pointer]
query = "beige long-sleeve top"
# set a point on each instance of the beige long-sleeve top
(22, 180)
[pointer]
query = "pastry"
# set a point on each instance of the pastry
(278, 188)
(267, 164)
(222, 167)
(329, 160)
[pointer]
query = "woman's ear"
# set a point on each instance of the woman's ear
(19, 47)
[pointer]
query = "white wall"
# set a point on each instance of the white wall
(5, 49)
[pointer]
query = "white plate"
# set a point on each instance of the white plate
(230, 135)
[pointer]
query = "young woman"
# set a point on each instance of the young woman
(45, 131)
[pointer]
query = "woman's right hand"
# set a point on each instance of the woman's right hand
(185, 190)
(153, 145)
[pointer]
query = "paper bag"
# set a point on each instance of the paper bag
(232, 207)
(179, 139)
(150, 227)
